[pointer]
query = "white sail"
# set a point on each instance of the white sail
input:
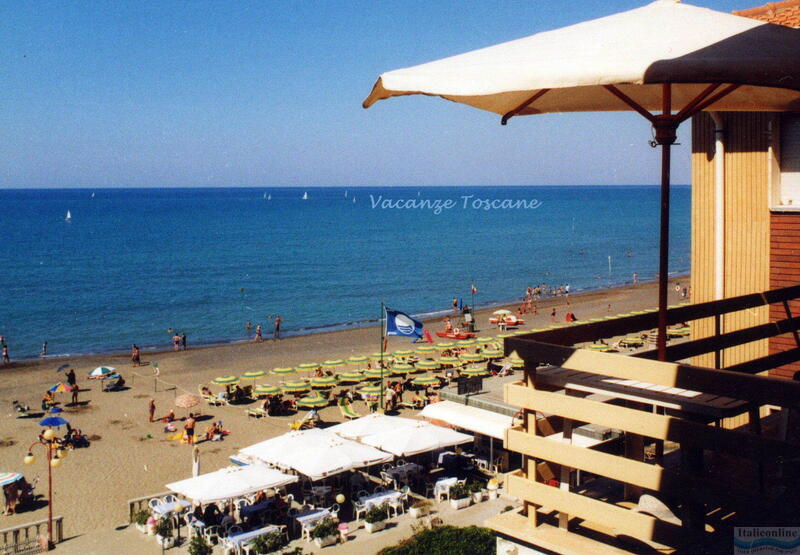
(69, 216)
(269, 197)
(305, 196)
(345, 194)
(92, 195)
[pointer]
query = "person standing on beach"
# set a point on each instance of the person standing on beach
(258, 333)
(72, 380)
(135, 355)
(553, 314)
(75, 391)
(277, 333)
(6, 358)
(455, 304)
(151, 409)
(44, 349)
(635, 277)
(183, 341)
(189, 427)
(176, 342)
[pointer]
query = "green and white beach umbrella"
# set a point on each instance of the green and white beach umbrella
(377, 356)
(486, 340)
(474, 372)
(312, 402)
(371, 390)
(324, 382)
(426, 349)
(441, 345)
(425, 380)
(253, 374)
(375, 373)
(351, 377)
(403, 353)
(102, 372)
(517, 363)
(466, 342)
(283, 370)
(295, 387)
(403, 369)
(307, 366)
(473, 357)
(264, 389)
(493, 353)
(449, 360)
(521, 332)
(357, 360)
(333, 364)
(225, 380)
(427, 365)
(504, 335)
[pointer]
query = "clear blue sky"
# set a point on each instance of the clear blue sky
(161, 94)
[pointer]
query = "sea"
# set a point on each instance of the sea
(135, 265)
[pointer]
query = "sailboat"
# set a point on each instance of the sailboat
(269, 197)
(265, 196)
(305, 196)
(354, 200)
(92, 195)
(345, 193)
(69, 217)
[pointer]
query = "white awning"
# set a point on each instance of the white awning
(230, 482)
(423, 437)
(371, 424)
(476, 420)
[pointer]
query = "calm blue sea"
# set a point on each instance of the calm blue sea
(134, 262)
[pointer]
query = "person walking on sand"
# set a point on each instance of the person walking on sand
(151, 409)
(135, 356)
(258, 333)
(183, 341)
(277, 333)
(189, 427)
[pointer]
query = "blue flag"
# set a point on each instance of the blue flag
(400, 323)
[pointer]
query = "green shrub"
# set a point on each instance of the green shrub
(459, 491)
(199, 546)
(475, 486)
(164, 527)
(376, 514)
(446, 540)
(422, 504)
(268, 543)
(140, 517)
(325, 528)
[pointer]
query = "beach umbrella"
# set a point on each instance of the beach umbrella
(187, 401)
(403, 369)
(427, 365)
(466, 342)
(449, 360)
(371, 390)
(521, 332)
(52, 421)
(60, 388)
(502, 312)
(307, 367)
(351, 377)
(426, 349)
(473, 357)
(666, 56)
(295, 387)
(312, 402)
(376, 373)
(332, 364)
(62, 368)
(486, 340)
(598, 347)
(324, 382)
(403, 353)
(504, 335)
(517, 363)
(474, 372)
(225, 380)
(55, 410)
(9, 478)
(441, 345)
(253, 375)
(283, 370)
(377, 356)
(101, 372)
(493, 353)
(357, 360)
(264, 389)
(425, 380)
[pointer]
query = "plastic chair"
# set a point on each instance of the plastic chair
(153, 503)
(212, 534)
(379, 489)
(362, 493)
(170, 498)
(359, 510)
(396, 505)
(334, 510)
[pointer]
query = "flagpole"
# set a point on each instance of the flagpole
(383, 339)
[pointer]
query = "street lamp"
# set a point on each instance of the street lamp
(54, 457)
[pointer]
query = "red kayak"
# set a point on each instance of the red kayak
(453, 335)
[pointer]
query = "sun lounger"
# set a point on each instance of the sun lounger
(347, 410)
(256, 412)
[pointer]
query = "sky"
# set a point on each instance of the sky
(267, 94)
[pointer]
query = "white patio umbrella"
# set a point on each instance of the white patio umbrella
(315, 453)
(662, 55)
(230, 482)
(371, 424)
(409, 441)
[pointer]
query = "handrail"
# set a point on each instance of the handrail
(31, 531)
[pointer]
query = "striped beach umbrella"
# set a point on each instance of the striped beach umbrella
(295, 387)
(307, 366)
(451, 361)
(351, 377)
(324, 382)
(517, 363)
(253, 374)
(403, 353)
(283, 370)
(504, 335)
(425, 380)
(60, 388)
(466, 342)
(371, 390)
(486, 340)
(312, 402)
(377, 355)
(474, 372)
(444, 345)
(426, 349)
(493, 353)
(9, 478)
(601, 347)
(403, 369)
(427, 365)
(473, 357)
(521, 332)
(357, 360)
(333, 364)
(375, 373)
(595, 320)
(102, 372)
(265, 389)
(225, 380)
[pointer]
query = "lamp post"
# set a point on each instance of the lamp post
(48, 441)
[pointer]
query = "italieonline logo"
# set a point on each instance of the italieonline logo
(764, 540)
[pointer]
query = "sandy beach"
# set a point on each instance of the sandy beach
(130, 457)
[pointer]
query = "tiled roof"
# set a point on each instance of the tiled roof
(782, 13)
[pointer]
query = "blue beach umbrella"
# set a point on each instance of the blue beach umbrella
(55, 410)
(53, 421)
(9, 478)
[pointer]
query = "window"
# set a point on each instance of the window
(787, 193)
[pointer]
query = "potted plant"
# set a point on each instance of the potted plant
(460, 496)
(375, 519)
(268, 543)
(199, 546)
(420, 508)
(140, 520)
(492, 486)
(476, 489)
(164, 533)
(326, 532)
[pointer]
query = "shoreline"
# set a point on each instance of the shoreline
(426, 317)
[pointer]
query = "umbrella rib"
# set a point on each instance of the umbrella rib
(629, 101)
(508, 115)
(724, 92)
(689, 108)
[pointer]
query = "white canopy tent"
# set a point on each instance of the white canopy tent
(371, 424)
(476, 420)
(315, 453)
(230, 482)
(411, 440)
